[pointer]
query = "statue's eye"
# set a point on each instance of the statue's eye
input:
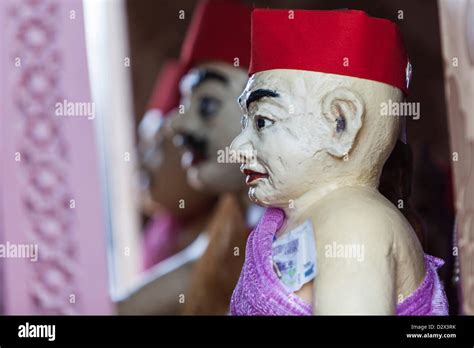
(244, 121)
(262, 122)
(208, 106)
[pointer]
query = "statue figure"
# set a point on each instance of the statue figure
(177, 213)
(329, 241)
(216, 51)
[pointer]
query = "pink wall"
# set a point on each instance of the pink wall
(58, 163)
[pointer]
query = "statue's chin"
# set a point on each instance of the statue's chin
(256, 198)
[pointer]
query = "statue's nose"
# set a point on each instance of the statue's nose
(242, 146)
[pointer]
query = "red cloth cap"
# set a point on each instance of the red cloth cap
(342, 42)
(165, 96)
(219, 30)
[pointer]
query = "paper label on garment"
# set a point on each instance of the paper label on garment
(294, 256)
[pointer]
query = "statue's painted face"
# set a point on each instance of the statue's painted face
(305, 130)
(286, 134)
(210, 121)
(162, 177)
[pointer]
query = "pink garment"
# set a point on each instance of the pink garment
(160, 239)
(260, 292)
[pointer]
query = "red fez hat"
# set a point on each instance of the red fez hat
(219, 30)
(342, 42)
(165, 94)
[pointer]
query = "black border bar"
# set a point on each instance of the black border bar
(137, 330)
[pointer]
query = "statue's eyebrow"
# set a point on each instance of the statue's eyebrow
(259, 94)
(204, 75)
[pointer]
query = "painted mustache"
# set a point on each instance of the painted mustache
(196, 146)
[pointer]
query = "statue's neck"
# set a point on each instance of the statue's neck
(309, 201)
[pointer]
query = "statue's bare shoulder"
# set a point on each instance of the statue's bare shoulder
(363, 241)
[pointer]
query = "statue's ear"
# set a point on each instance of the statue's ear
(343, 109)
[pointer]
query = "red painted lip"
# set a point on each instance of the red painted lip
(198, 157)
(193, 158)
(252, 175)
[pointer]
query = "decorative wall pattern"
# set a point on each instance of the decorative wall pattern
(50, 193)
(46, 192)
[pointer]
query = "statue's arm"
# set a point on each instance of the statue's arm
(356, 266)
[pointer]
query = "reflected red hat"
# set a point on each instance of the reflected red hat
(219, 30)
(342, 42)
(165, 95)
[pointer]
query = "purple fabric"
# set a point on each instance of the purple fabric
(260, 292)
(160, 239)
(429, 298)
